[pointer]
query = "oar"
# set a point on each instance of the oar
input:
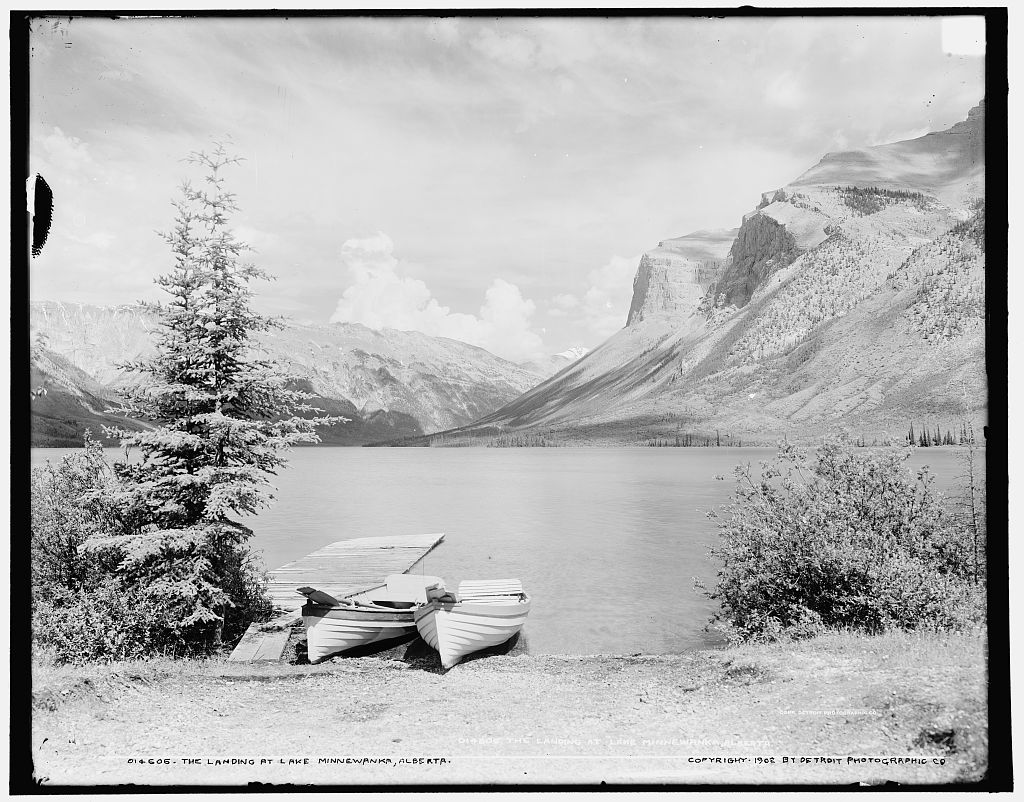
(319, 597)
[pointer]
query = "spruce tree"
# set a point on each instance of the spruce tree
(221, 418)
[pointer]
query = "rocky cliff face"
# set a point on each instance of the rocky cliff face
(851, 299)
(762, 246)
(673, 278)
(94, 339)
(391, 383)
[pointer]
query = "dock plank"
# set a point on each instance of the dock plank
(348, 566)
(259, 645)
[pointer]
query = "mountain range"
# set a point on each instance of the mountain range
(389, 383)
(851, 299)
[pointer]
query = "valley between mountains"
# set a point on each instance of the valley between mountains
(851, 299)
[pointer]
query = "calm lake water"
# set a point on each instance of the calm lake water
(606, 540)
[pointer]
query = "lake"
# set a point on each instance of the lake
(606, 540)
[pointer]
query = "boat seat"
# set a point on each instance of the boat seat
(489, 590)
(504, 598)
(490, 587)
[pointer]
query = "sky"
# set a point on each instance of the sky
(494, 180)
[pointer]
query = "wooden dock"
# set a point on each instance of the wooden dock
(348, 566)
(341, 569)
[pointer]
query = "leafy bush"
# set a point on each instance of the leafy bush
(846, 539)
(110, 621)
(245, 584)
(80, 609)
(70, 503)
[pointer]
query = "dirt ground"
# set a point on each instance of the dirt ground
(838, 709)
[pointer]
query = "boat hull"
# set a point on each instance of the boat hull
(376, 616)
(334, 630)
(458, 629)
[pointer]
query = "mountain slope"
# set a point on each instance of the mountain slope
(390, 383)
(852, 298)
(67, 402)
(949, 164)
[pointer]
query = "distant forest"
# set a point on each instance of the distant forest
(868, 200)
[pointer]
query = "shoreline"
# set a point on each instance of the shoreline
(709, 716)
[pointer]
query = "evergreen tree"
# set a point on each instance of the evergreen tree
(221, 420)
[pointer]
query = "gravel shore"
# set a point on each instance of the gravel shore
(836, 709)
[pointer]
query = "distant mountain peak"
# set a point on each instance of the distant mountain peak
(550, 365)
(574, 353)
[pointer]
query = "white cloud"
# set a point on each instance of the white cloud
(66, 160)
(98, 239)
(562, 303)
(116, 75)
(566, 46)
(446, 30)
(785, 91)
(510, 49)
(898, 135)
(605, 304)
(380, 297)
(840, 140)
(255, 238)
(407, 124)
(65, 154)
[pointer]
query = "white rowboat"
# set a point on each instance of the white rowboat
(334, 626)
(483, 613)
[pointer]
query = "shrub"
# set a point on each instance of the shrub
(80, 611)
(104, 591)
(246, 586)
(846, 539)
(110, 621)
(70, 503)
